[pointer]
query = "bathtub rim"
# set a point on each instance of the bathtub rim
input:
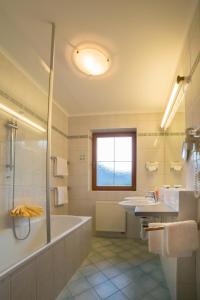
(29, 258)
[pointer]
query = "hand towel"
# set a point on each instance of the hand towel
(60, 167)
(181, 238)
(156, 243)
(61, 195)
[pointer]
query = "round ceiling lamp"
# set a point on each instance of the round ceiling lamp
(91, 60)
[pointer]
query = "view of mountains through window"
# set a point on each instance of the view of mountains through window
(114, 161)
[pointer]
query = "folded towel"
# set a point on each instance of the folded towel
(181, 238)
(156, 243)
(61, 195)
(60, 167)
(28, 211)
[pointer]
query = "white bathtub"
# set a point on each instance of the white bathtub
(62, 225)
(70, 240)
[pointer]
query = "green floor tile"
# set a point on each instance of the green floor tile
(117, 296)
(118, 269)
(161, 293)
(78, 286)
(106, 289)
(97, 278)
(88, 295)
(133, 292)
(121, 281)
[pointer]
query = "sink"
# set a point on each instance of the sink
(130, 203)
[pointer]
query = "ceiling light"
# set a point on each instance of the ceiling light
(174, 102)
(21, 117)
(91, 60)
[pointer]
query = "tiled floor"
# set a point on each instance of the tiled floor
(118, 269)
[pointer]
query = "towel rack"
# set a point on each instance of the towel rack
(163, 227)
(154, 228)
(54, 158)
(54, 188)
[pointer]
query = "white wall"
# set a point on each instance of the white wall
(30, 183)
(192, 47)
(59, 148)
(30, 175)
(192, 107)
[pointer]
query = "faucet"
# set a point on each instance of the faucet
(152, 195)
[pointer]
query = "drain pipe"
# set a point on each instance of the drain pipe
(49, 125)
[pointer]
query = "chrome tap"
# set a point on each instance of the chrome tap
(152, 195)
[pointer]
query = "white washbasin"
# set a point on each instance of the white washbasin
(130, 203)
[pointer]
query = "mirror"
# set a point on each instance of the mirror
(174, 169)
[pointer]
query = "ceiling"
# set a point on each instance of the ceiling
(144, 39)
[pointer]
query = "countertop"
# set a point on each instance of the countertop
(160, 209)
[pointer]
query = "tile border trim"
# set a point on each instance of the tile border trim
(29, 111)
(141, 134)
(80, 136)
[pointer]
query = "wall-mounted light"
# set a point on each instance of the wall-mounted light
(91, 60)
(21, 117)
(175, 100)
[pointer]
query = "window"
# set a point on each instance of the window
(114, 160)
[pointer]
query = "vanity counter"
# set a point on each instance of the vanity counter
(160, 209)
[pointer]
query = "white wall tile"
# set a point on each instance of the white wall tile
(192, 108)
(149, 148)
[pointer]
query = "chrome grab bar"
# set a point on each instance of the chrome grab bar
(154, 228)
(160, 227)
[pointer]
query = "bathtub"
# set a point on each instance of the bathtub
(31, 269)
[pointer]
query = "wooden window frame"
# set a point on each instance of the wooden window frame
(95, 135)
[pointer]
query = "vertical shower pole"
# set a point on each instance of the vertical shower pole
(49, 126)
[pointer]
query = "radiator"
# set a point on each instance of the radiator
(110, 216)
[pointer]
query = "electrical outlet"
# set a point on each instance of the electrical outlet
(82, 156)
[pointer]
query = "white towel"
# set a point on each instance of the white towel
(60, 167)
(156, 243)
(181, 238)
(61, 195)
